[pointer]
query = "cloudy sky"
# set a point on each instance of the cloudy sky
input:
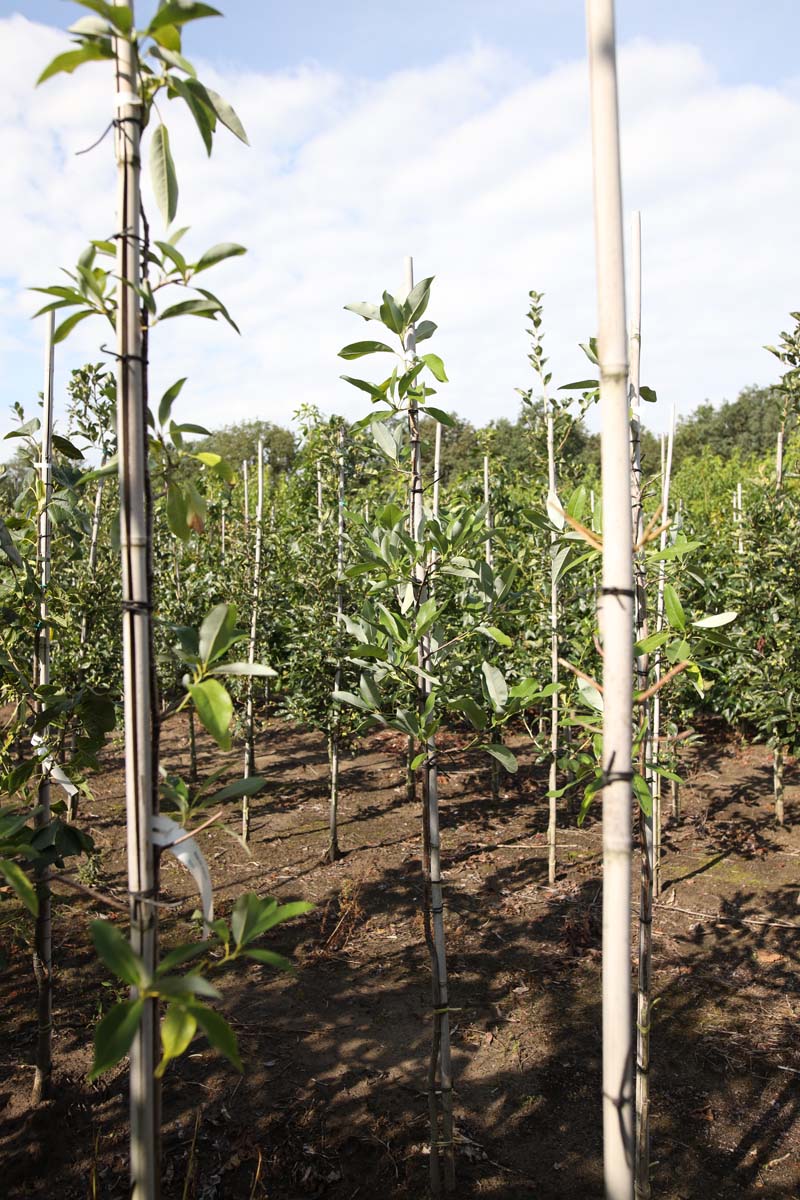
(457, 132)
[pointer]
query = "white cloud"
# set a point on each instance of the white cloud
(479, 169)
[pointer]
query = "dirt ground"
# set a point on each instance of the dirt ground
(332, 1103)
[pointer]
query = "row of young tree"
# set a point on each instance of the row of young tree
(403, 571)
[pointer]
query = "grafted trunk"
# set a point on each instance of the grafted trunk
(137, 600)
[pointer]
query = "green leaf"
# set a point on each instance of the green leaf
(8, 546)
(370, 312)
(383, 436)
(435, 366)
(217, 632)
(716, 620)
(72, 59)
(117, 954)
(109, 468)
(392, 314)
(349, 698)
(439, 415)
(496, 686)
(417, 300)
(20, 883)
(204, 117)
(473, 711)
(360, 349)
(256, 670)
(194, 308)
(178, 12)
(214, 708)
(224, 111)
(271, 959)
(648, 394)
(168, 399)
(218, 1032)
(162, 173)
(217, 254)
(503, 756)
(497, 635)
(177, 1030)
(66, 327)
(114, 1035)
(241, 787)
(375, 392)
(65, 447)
(177, 512)
(582, 385)
(425, 330)
(673, 608)
(118, 15)
(642, 793)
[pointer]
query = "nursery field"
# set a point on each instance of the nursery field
(332, 1102)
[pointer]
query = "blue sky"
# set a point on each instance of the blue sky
(746, 41)
(454, 131)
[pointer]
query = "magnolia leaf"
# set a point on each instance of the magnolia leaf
(214, 708)
(715, 620)
(496, 686)
(114, 1035)
(503, 756)
(162, 173)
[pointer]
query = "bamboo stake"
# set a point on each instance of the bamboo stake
(141, 795)
(739, 516)
(43, 947)
(246, 481)
(616, 607)
(222, 532)
(249, 750)
(779, 461)
(434, 905)
(334, 851)
(437, 468)
(319, 497)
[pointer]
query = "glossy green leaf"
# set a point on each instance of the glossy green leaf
(673, 608)
(116, 952)
(503, 755)
(218, 1032)
(218, 254)
(70, 60)
(496, 686)
(214, 708)
(162, 174)
(114, 1035)
(360, 349)
(177, 1030)
(168, 399)
(19, 882)
(435, 365)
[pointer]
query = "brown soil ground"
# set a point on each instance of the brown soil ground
(332, 1103)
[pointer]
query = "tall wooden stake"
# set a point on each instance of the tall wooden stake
(249, 749)
(42, 950)
(616, 608)
(552, 487)
(434, 900)
(659, 661)
(137, 600)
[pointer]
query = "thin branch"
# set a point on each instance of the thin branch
(586, 678)
(643, 697)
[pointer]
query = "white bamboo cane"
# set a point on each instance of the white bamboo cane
(141, 796)
(43, 948)
(487, 500)
(779, 461)
(245, 479)
(222, 532)
(319, 497)
(437, 468)
(333, 843)
(441, 1011)
(616, 608)
(739, 516)
(249, 750)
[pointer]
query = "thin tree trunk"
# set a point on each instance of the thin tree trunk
(43, 949)
(779, 462)
(552, 487)
(434, 901)
(616, 612)
(659, 661)
(135, 533)
(644, 998)
(333, 843)
(222, 534)
(777, 777)
(246, 483)
(494, 765)
(249, 749)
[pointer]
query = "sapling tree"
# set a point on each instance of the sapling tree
(147, 64)
(402, 644)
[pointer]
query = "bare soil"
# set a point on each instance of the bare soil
(332, 1102)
